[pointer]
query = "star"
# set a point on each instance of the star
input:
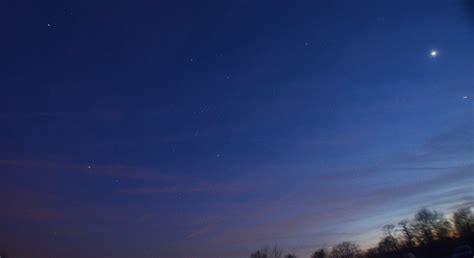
(89, 166)
(434, 53)
(49, 24)
(464, 97)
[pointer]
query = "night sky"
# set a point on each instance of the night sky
(213, 128)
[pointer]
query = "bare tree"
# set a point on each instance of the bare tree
(443, 227)
(290, 256)
(274, 252)
(389, 242)
(431, 225)
(408, 236)
(346, 250)
(464, 222)
(260, 254)
(389, 230)
(387, 245)
(424, 226)
(320, 253)
(372, 253)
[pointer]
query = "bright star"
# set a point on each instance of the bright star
(434, 53)
(464, 97)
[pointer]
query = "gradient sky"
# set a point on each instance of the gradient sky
(213, 128)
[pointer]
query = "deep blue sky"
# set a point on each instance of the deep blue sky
(213, 128)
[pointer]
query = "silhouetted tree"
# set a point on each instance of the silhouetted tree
(389, 230)
(259, 254)
(346, 250)
(463, 222)
(424, 225)
(320, 253)
(372, 253)
(408, 236)
(274, 252)
(387, 245)
(429, 234)
(443, 227)
(389, 242)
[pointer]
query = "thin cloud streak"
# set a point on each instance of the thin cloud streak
(116, 171)
(198, 188)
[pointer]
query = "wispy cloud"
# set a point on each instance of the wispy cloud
(455, 143)
(410, 181)
(307, 208)
(192, 188)
(36, 206)
(115, 171)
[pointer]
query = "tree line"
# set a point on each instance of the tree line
(428, 234)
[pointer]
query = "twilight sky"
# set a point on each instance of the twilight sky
(213, 128)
